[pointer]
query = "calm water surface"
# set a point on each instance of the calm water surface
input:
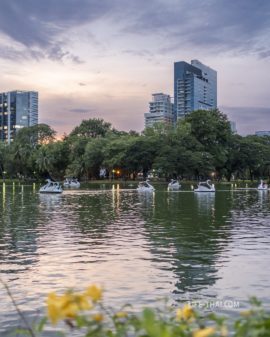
(140, 247)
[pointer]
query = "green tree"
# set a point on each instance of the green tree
(115, 153)
(52, 159)
(212, 129)
(93, 156)
(92, 128)
(140, 154)
(35, 135)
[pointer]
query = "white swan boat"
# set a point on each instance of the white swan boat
(71, 182)
(205, 186)
(145, 186)
(51, 187)
(174, 185)
(263, 186)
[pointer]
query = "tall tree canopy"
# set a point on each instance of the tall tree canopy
(92, 128)
(199, 145)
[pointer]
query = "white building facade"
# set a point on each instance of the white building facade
(160, 110)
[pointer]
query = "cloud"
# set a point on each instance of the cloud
(264, 54)
(13, 54)
(238, 26)
(56, 53)
(141, 52)
(38, 24)
(35, 23)
(223, 26)
(115, 38)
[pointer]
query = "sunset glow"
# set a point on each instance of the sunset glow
(104, 59)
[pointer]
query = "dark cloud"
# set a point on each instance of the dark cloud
(56, 53)
(19, 55)
(37, 24)
(219, 25)
(81, 84)
(32, 22)
(264, 54)
(81, 110)
(239, 25)
(248, 119)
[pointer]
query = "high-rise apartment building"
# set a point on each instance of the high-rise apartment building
(160, 110)
(195, 87)
(18, 109)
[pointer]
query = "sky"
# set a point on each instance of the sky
(105, 58)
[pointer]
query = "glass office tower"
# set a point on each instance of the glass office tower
(18, 109)
(195, 87)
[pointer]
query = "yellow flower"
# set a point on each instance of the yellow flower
(204, 332)
(66, 306)
(121, 314)
(70, 310)
(98, 317)
(185, 313)
(83, 302)
(54, 308)
(94, 292)
(246, 313)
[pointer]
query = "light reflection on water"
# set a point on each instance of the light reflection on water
(139, 246)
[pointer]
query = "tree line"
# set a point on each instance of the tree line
(201, 145)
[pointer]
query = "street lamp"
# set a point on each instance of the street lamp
(113, 171)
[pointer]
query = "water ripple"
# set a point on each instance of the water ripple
(139, 247)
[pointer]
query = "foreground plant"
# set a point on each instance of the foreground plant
(83, 314)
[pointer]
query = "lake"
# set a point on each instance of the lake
(139, 246)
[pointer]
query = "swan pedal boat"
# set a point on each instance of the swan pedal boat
(174, 185)
(263, 186)
(145, 186)
(71, 182)
(205, 186)
(51, 187)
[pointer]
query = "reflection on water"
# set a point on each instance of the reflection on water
(147, 201)
(206, 202)
(139, 246)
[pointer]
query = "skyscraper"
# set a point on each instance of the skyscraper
(160, 110)
(18, 109)
(195, 87)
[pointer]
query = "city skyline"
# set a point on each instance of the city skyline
(102, 59)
